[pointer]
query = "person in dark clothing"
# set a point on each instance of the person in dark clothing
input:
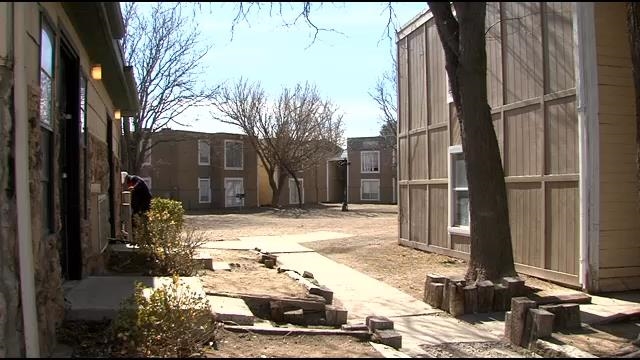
(140, 194)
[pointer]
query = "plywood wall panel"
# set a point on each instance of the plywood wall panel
(418, 78)
(562, 223)
(438, 151)
(561, 150)
(558, 52)
(523, 143)
(438, 215)
(418, 222)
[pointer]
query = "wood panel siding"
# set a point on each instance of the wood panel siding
(417, 154)
(619, 227)
(403, 86)
(403, 164)
(523, 141)
(403, 211)
(436, 77)
(561, 150)
(418, 84)
(438, 150)
(454, 126)
(558, 52)
(525, 203)
(523, 54)
(494, 54)
(531, 92)
(563, 220)
(438, 215)
(418, 222)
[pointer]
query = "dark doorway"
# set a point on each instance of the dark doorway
(112, 189)
(69, 110)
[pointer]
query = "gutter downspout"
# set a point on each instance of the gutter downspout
(589, 152)
(23, 198)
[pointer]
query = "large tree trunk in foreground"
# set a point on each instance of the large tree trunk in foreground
(491, 255)
(633, 24)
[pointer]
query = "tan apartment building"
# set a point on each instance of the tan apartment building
(202, 170)
(563, 106)
(372, 172)
(63, 89)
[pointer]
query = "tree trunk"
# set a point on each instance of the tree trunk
(276, 187)
(633, 24)
(491, 254)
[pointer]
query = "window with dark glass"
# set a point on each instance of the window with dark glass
(47, 47)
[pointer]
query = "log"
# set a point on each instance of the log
(577, 298)
(539, 325)
(485, 296)
(517, 320)
(567, 316)
(456, 298)
(501, 298)
(436, 294)
(470, 299)
(431, 279)
(515, 286)
(445, 295)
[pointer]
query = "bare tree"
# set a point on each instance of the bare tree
(164, 48)
(385, 95)
(290, 136)
(463, 39)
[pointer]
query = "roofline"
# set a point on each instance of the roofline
(414, 23)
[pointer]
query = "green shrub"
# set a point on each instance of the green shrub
(161, 237)
(170, 321)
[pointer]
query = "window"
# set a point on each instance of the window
(458, 192)
(147, 181)
(204, 152)
(293, 191)
(232, 155)
(370, 161)
(204, 190)
(446, 81)
(47, 48)
(146, 159)
(370, 189)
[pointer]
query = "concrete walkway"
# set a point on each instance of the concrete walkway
(363, 296)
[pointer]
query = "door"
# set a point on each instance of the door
(234, 192)
(69, 113)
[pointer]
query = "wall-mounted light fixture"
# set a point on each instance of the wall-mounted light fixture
(116, 114)
(96, 72)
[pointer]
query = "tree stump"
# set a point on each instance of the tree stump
(470, 299)
(456, 298)
(431, 279)
(485, 296)
(516, 327)
(501, 299)
(435, 295)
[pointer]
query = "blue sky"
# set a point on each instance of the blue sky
(344, 67)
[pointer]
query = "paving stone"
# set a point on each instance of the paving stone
(388, 337)
(335, 315)
(323, 291)
(379, 323)
(539, 324)
(231, 309)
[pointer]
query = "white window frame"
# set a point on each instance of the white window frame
(292, 186)
(208, 191)
(362, 154)
(146, 158)
(362, 181)
(147, 181)
(208, 162)
(241, 155)
(454, 229)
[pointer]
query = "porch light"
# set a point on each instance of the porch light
(96, 72)
(116, 114)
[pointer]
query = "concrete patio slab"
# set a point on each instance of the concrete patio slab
(99, 297)
(231, 309)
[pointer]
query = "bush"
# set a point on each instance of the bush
(170, 321)
(161, 238)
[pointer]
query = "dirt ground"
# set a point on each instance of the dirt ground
(372, 249)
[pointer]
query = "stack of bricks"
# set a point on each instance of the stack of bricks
(454, 296)
(381, 329)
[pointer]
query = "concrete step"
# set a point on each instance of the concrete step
(99, 297)
(230, 309)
